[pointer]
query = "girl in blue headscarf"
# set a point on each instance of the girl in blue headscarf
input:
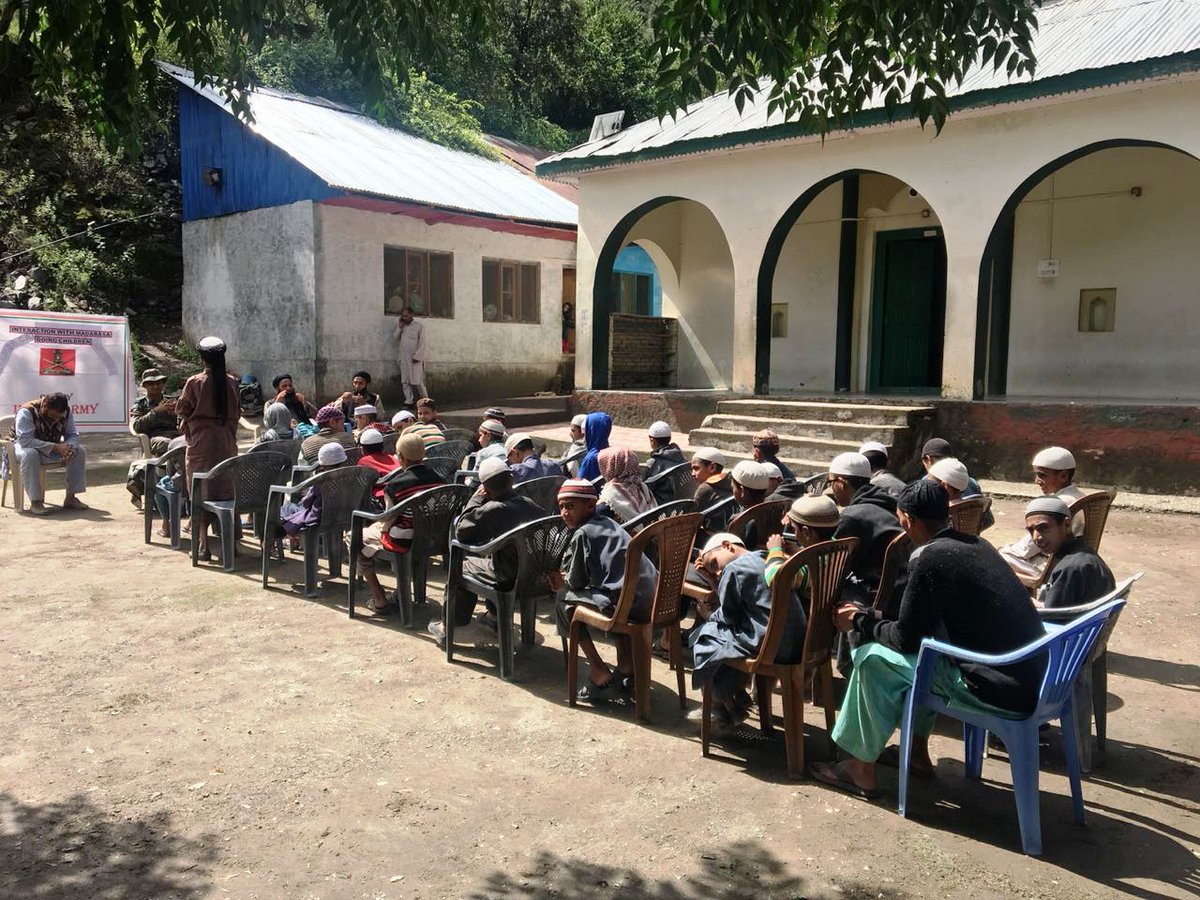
(596, 430)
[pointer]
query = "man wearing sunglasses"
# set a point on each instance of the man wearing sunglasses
(1078, 575)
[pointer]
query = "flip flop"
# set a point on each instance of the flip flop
(840, 779)
(595, 693)
(890, 757)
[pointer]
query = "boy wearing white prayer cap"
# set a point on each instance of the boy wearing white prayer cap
(664, 454)
(877, 455)
(869, 514)
(578, 445)
(708, 469)
(1054, 473)
(1079, 575)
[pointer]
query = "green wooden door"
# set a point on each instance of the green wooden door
(909, 311)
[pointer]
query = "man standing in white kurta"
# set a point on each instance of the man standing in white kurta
(410, 335)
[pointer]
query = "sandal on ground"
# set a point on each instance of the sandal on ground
(837, 777)
(74, 503)
(595, 693)
(622, 682)
(488, 620)
(204, 555)
(890, 757)
(386, 610)
(438, 630)
(39, 509)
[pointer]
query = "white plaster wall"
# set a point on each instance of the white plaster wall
(806, 279)
(1145, 247)
(965, 175)
(468, 357)
(700, 295)
(248, 278)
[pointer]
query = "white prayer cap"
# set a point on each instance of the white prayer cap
(660, 430)
(366, 410)
(580, 420)
(875, 446)
(854, 465)
(371, 437)
(491, 467)
(491, 426)
(951, 471)
(1057, 458)
(709, 455)
(772, 471)
(331, 454)
(211, 344)
(1050, 506)
(750, 474)
(403, 416)
(720, 538)
(517, 437)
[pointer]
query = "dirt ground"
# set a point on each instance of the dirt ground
(179, 732)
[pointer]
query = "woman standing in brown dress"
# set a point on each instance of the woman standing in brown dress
(208, 408)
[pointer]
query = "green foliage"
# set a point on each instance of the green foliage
(820, 63)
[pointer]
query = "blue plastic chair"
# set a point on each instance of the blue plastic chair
(1067, 650)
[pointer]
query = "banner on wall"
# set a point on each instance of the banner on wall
(86, 357)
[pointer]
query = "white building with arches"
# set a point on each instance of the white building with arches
(1043, 245)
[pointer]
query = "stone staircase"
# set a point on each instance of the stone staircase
(523, 413)
(812, 432)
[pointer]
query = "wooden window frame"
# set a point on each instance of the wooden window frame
(423, 258)
(515, 305)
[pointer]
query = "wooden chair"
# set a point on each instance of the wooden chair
(967, 515)
(674, 536)
(894, 558)
(765, 517)
(1094, 507)
(826, 564)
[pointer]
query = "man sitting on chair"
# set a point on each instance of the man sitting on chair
(952, 475)
(154, 416)
(960, 590)
(329, 431)
(593, 573)
(492, 511)
(869, 514)
(1078, 575)
(877, 455)
(45, 435)
(664, 454)
(524, 460)
(1054, 473)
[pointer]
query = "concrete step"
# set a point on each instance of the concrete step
(827, 429)
(817, 449)
(897, 415)
(519, 417)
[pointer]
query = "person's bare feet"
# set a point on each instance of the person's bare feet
(853, 776)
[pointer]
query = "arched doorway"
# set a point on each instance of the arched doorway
(1087, 281)
(694, 267)
(852, 290)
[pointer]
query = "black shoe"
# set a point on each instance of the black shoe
(595, 693)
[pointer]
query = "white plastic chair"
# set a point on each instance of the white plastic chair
(143, 439)
(8, 446)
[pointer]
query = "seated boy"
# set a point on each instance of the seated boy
(593, 572)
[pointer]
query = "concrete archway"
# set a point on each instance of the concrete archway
(993, 334)
(690, 251)
(821, 252)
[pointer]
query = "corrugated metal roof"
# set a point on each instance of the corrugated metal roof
(353, 152)
(1073, 36)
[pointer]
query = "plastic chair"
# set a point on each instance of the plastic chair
(343, 490)
(666, 511)
(967, 515)
(8, 446)
(717, 516)
(456, 450)
(389, 441)
(1095, 507)
(765, 516)
(814, 485)
(683, 486)
(253, 475)
(433, 512)
(445, 466)
(539, 547)
(826, 564)
(150, 490)
(674, 537)
(143, 441)
(459, 434)
(1067, 649)
(894, 559)
(1091, 687)
(289, 447)
(542, 491)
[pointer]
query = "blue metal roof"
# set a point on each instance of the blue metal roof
(1074, 37)
(352, 152)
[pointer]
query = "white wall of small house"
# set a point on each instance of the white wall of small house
(467, 356)
(965, 175)
(248, 278)
(1085, 216)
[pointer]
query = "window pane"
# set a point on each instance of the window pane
(643, 295)
(441, 285)
(491, 290)
(508, 292)
(417, 293)
(393, 280)
(530, 311)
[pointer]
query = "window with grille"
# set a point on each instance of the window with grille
(422, 280)
(511, 291)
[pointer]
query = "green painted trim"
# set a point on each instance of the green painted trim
(878, 277)
(1084, 79)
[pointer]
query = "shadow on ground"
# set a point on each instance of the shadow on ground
(741, 870)
(73, 849)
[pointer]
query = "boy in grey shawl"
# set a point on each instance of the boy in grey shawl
(593, 572)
